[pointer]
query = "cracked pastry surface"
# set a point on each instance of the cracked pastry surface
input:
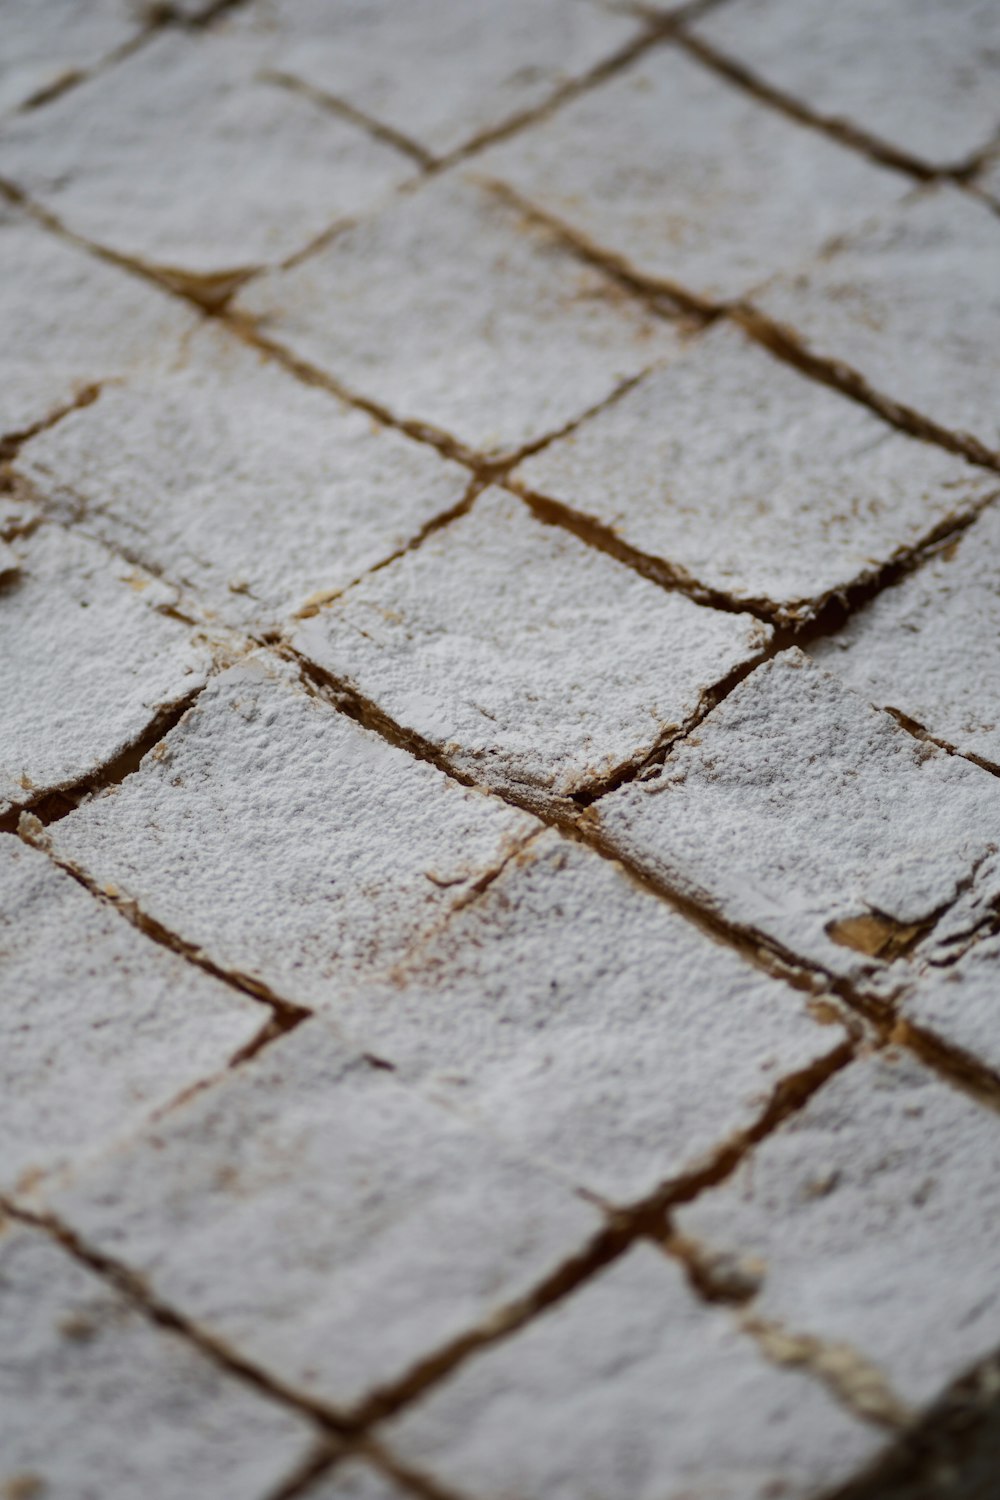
(100, 1024)
(45, 47)
(371, 1226)
(601, 1386)
(479, 642)
(854, 1211)
(906, 651)
(93, 658)
(925, 80)
(728, 471)
(496, 336)
(685, 210)
(796, 809)
(439, 72)
(499, 844)
(585, 1051)
(72, 322)
(203, 119)
(209, 836)
(909, 302)
(187, 470)
(83, 1368)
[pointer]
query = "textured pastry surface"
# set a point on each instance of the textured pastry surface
(499, 750)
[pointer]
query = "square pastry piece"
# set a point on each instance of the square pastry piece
(800, 812)
(689, 182)
(324, 1221)
(910, 303)
(632, 1387)
(920, 76)
(253, 492)
(202, 120)
(871, 1219)
(98, 1400)
(731, 472)
(439, 73)
(576, 1014)
(532, 661)
(286, 842)
(453, 311)
(92, 660)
